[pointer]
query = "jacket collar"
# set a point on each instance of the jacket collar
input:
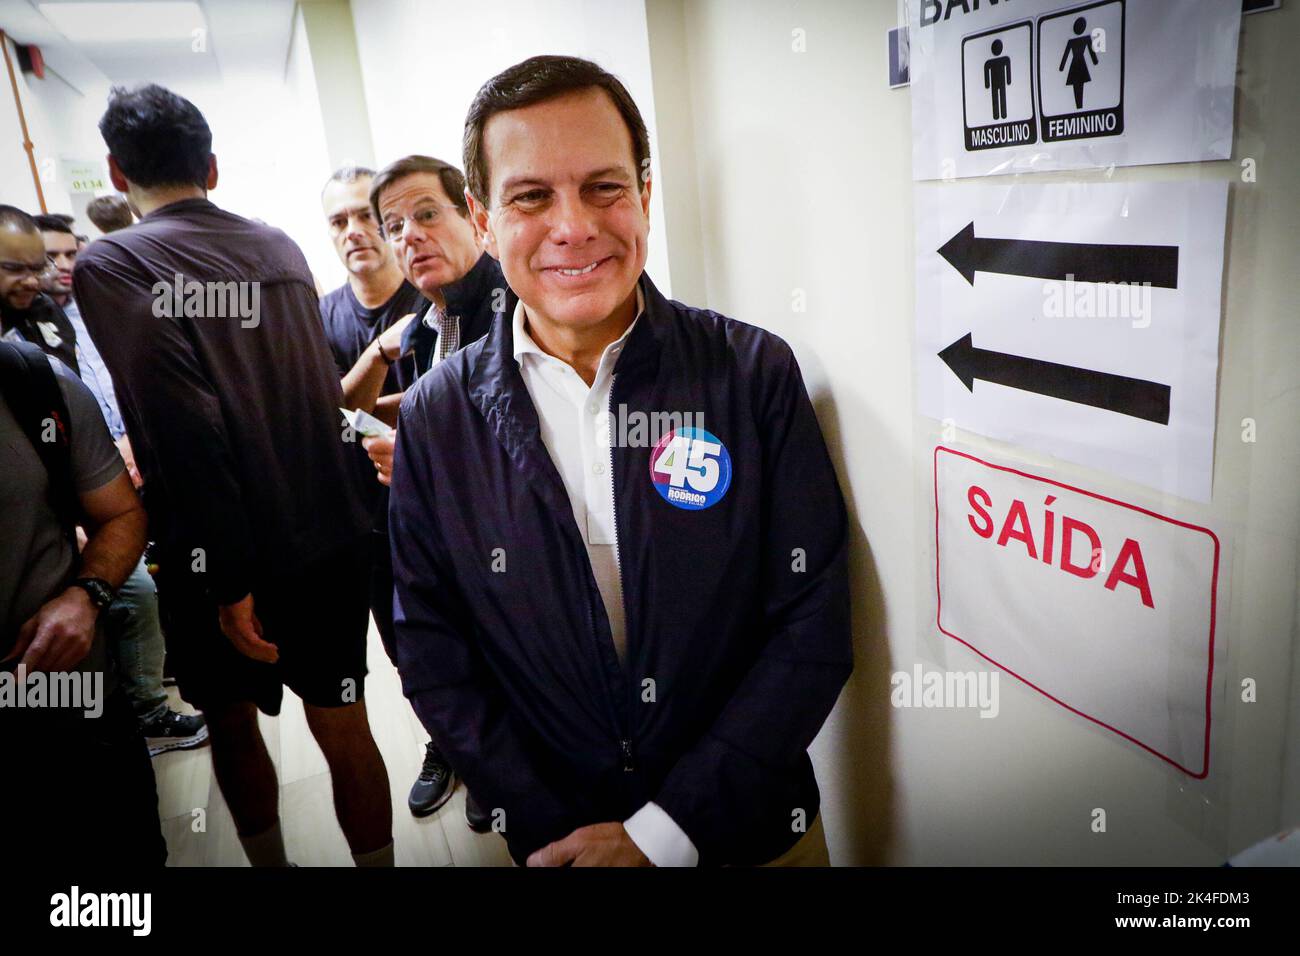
(464, 296)
(523, 342)
(494, 378)
(497, 388)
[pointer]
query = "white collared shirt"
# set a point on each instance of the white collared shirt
(574, 420)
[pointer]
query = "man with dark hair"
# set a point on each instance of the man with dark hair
(211, 327)
(134, 635)
(109, 213)
(624, 641)
(61, 250)
(438, 257)
(26, 312)
(420, 203)
(71, 223)
(157, 141)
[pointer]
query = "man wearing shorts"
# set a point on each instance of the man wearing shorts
(211, 328)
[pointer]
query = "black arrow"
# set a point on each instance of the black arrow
(1085, 261)
(1115, 393)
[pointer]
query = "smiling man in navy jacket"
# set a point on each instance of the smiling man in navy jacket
(624, 640)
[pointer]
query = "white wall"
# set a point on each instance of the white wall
(310, 232)
(801, 163)
(266, 133)
(422, 61)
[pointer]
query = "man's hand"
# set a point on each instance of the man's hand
(240, 624)
(391, 341)
(58, 636)
(128, 456)
(601, 844)
(380, 451)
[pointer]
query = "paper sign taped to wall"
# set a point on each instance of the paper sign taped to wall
(1081, 320)
(1025, 85)
(1105, 607)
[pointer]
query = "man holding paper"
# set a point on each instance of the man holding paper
(420, 205)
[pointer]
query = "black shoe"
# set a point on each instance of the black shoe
(434, 785)
(479, 820)
(173, 731)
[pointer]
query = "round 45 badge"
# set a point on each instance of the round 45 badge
(690, 468)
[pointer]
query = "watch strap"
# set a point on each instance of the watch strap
(101, 592)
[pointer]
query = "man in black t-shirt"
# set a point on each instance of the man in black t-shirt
(368, 314)
(374, 299)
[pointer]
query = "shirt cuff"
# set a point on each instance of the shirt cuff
(658, 836)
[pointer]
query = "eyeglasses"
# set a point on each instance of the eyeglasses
(21, 270)
(426, 217)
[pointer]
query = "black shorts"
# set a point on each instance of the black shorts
(317, 617)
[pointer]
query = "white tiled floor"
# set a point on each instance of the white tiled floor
(200, 831)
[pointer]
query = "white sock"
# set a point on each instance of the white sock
(381, 857)
(265, 848)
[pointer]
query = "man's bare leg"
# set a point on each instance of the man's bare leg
(246, 778)
(361, 797)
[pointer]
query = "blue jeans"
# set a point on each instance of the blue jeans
(135, 643)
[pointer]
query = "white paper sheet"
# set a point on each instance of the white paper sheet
(1165, 337)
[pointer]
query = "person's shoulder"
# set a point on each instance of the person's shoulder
(749, 345)
(331, 302)
(77, 395)
(119, 249)
(100, 253)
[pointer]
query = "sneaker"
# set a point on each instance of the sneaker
(479, 820)
(173, 731)
(434, 785)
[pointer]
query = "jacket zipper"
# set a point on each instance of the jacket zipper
(625, 744)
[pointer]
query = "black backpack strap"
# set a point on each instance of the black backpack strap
(31, 390)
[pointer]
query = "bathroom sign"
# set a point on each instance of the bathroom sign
(1035, 85)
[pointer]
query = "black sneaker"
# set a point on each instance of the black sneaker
(434, 785)
(479, 820)
(173, 731)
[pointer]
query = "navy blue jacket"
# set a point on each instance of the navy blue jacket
(738, 637)
(473, 297)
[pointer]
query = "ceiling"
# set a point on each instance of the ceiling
(94, 42)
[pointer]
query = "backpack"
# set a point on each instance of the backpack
(31, 390)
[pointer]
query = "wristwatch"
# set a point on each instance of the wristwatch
(101, 592)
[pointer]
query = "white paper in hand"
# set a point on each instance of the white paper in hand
(363, 423)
